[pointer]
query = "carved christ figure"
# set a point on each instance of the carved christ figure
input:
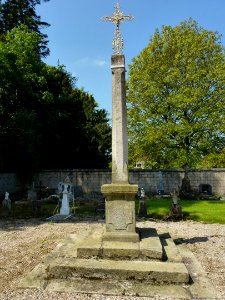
(117, 18)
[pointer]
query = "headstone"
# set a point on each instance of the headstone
(32, 193)
(6, 206)
(142, 205)
(66, 191)
(175, 210)
(186, 190)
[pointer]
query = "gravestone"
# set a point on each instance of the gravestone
(66, 189)
(142, 205)
(175, 209)
(186, 190)
(32, 193)
(6, 206)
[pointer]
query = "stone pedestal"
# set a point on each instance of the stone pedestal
(120, 212)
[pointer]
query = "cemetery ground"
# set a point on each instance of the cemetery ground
(24, 243)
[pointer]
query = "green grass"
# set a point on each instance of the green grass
(197, 210)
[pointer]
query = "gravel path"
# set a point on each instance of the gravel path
(25, 243)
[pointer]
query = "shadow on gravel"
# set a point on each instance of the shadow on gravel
(193, 240)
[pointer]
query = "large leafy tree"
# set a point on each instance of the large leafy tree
(20, 76)
(176, 98)
(45, 121)
(13, 13)
(75, 133)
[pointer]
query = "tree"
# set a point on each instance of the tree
(176, 97)
(20, 68)
(13, 13)
(45, 121)
(75, 133)
(20, 76)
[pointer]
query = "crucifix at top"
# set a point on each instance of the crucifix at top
(117, 18)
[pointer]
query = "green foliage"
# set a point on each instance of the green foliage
(19, 72)
(14, 13)
(45, 121)
(75, 133)
(176, 95)
(196, 210)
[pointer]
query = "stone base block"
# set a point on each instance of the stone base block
(120, 212)
(131, 247)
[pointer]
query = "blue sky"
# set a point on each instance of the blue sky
(82, 42)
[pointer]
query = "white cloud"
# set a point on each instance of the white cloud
(88, 61)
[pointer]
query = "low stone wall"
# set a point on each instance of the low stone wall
(87, 181)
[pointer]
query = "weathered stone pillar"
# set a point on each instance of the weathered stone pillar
(119, 124)
(119, 195)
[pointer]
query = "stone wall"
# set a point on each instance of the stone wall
(8, 183)
(91, 180)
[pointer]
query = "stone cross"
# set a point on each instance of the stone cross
(117, 18)
(119, 195)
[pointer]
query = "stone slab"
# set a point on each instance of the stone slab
(121, 236)
(115, 288)
(147, 271)
(150, 245)
(117, 188)
(116, 250)
(91, 246)
(201, 288)
(171, 251)
(35, 279)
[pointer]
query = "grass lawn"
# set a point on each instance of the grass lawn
(197, 210)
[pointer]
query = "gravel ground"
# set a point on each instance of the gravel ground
(25, 243)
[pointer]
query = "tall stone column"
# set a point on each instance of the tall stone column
(119, 124)
(119, 195)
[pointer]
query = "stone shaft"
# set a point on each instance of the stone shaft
(119, 123)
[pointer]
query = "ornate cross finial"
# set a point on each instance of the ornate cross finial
(117, 18)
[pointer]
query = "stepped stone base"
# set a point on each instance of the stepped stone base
(153, 266)
(148, 247)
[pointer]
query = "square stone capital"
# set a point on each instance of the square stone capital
(116, 188)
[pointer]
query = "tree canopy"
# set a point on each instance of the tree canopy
(176, 98)
(45, 120)
(13, 13)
